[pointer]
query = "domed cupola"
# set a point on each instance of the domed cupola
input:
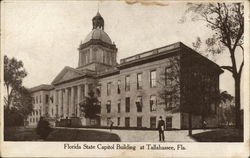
(97, 52)
(98, 21)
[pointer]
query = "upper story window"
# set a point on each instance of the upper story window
(118, 87)
(108, 88)
(127, 104)
(40, 99)
(168, 76)
(108, 106)
(153, 78)
(87, 56)
(98, 90)
(152, 103)
(119, 106)
(127, 83)
(170, 101)
(139, 104)
(139, 81)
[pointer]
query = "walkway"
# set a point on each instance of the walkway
(148, 135)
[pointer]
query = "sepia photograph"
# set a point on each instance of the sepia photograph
(148, 72)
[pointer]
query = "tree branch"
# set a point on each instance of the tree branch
(241, 67)
(229, 68)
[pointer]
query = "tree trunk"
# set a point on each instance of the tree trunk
(237, 102)
(8, 97)
(189, 123)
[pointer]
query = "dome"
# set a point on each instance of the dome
(98, 34)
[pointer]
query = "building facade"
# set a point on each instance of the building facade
(173, 81)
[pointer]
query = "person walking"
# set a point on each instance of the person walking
(161, 127)
(111, 125)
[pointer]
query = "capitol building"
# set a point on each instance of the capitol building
(134, 92)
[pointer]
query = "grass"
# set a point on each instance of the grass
(82, 135)
(29, 134)
(20, 134)
(220, 135)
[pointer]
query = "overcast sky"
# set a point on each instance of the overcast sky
(45, 35)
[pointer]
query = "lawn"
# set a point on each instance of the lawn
(220, 135)
(20, 134)
(29, 134)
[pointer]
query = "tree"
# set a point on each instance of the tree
(170, 85)
(22, 101)
(18, 97)
(91, 106)
(14, 73)
(227, 108)
(226, 20)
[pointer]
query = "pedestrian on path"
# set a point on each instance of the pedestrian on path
(111, 125)
(161, 127)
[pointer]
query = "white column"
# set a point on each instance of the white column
(65, 103)
(78, 100)
(86, 90)
(72, 102)
(60, 103)
(55, 103)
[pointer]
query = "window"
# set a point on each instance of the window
(46, 99)
(127, 103)
(119, 106)
(170, 101)
(153, 103)
(56, 110)
(139, 81)
(168, 122)
(118, 121)
(139, 121)
(168, 80)
(152, 122)
(108, 106)
(87, 57)
(118, 87)
(108, 89)
(40, 99)
(127, 121)
(98, 90)
(138, 104)
(52, 112)
(36, 112)
(127, 83)
(36, 99)
(52, 99)
(153, 78)
(40, 112)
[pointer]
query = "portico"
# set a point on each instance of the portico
(67, 100)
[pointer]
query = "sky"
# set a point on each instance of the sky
(45, 35)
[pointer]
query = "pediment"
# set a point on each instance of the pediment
(66, 74)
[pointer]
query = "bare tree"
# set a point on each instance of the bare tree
(226, 20)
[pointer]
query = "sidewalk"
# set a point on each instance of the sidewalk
(148, 135)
